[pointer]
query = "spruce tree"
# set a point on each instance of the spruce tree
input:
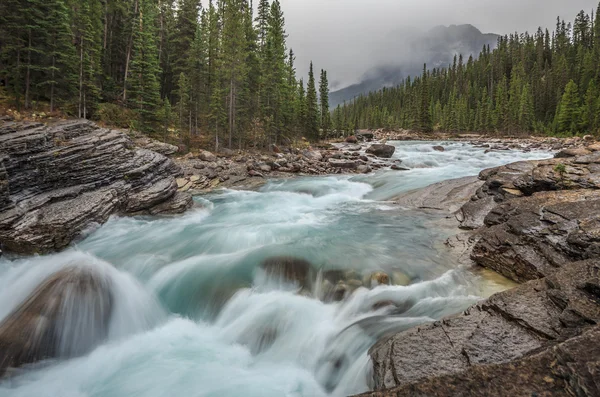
(88, 33)
(144, 87)
(312, 109)
(424, 117)
(61, 60)
(234, 58)
(324, 99)
(567, 117)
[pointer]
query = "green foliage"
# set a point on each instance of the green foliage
(312, 110)
(324, 102)
(113, 114)
(567, 116)
(144, 88)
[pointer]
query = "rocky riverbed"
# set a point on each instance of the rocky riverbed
(204, 171)
(537, 223)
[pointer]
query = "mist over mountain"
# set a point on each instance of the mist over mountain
(405, 52)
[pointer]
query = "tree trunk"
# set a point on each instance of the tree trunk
(80, 107)
(53, 84)
(230, 112)
(128, 57)
(28, 75)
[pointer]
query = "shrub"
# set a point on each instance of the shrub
(115, 115)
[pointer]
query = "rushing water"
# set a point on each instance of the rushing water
(194, 315)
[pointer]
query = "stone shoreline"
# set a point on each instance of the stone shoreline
(537, 223)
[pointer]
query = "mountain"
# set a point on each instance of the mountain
(410, 51)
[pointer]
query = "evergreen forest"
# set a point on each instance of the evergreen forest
(219, 73)
(548, 82)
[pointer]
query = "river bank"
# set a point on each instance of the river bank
(536, 223)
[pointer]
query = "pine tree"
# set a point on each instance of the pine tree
(424, 117)
(324, 99)
(234, 57)
(591, 109)
(274, 72)
(186, 27)
(143, 81)
(61, 62)
(312, 109)
(183, 105)
(567, 117)
(301, 110)
(87, 30)
(526, 111)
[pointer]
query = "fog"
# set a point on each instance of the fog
(348, 37)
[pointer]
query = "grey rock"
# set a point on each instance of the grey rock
(364, 169)
(342, 163)
(509, 326)
(383, 151)
(57, 180)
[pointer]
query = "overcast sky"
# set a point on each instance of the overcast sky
(342, 36)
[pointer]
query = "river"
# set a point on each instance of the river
(194, 314)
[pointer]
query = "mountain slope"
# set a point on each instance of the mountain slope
(436, 48)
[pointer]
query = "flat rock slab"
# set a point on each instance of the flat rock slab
(447, 196)
(509, 326)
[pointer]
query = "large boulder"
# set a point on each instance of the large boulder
(513, 325)
(67, 315)
(58, 180)
(530, 237)
(343, 163)
(568, 369)
(383, 151)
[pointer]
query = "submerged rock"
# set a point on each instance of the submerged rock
(289, 269)
(58, 180)
(439, 149)
(67, 315)
(383, 151)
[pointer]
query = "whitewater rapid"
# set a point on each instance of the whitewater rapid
(194, 315)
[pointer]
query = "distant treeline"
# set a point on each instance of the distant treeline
(546, 83)
(162, 65)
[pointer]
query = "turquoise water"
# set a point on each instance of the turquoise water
(192, 307)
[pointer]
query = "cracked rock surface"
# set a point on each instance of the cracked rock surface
(58, 180)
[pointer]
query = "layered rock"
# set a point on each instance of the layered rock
(67, 315)
(58, 180)
(513, 325)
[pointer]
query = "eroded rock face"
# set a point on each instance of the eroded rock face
(58, 180)
(530, 237)
(67, 315)
(534, 217)
(567, 369)
(512, 325)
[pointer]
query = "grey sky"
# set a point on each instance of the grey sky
(346, 36)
